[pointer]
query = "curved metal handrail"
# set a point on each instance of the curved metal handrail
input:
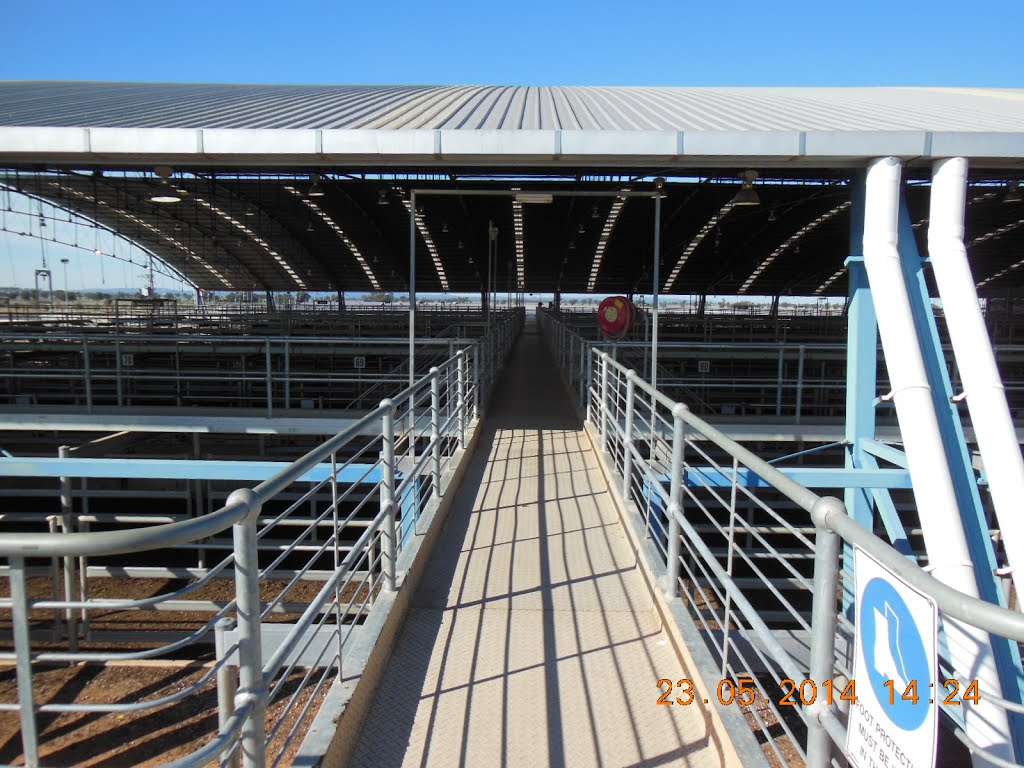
(831, 514)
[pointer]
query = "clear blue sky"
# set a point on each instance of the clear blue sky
(735, 42)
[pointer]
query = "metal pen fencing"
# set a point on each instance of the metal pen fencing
(791, 380)
(757, 559)
(268, 373)
(385, 472)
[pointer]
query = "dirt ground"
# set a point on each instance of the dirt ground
(146, 738)
(154, 736)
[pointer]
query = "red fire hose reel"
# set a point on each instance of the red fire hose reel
(615, 316)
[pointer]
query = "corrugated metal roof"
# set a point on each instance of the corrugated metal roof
(172, 105)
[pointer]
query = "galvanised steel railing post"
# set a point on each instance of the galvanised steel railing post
(287, 374)
(731, 544)
(460, 358)
(336, 527)
(583, 364)
(227, 685)
(778, 381)
(87, 375)
(590, 375)
(570, 357)
(435, 430)
(268, 375)
(823, 625)
(675, 499)
(477, 380)
(23, 663)
(627, 437)
(604, 402)
(248, 609)
(67, 524)
(117, 374)
(389, 551)
(800, 381)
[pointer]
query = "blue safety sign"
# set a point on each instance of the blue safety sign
(894, 721)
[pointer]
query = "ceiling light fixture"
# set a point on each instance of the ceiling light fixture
(165, 195)
(747, 194)
(315, 190)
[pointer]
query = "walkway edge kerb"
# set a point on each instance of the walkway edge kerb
(739, 747)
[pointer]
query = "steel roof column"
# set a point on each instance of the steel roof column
(412, 288)
(861, 373)
(655, 280)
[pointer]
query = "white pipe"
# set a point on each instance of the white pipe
(986, 398)
(945, 541)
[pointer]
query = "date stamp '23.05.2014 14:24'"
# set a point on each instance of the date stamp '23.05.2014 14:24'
(745, 691)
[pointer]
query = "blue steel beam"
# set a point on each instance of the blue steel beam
(809, 477)
(887, 510)
(885, 452)
(175, 469)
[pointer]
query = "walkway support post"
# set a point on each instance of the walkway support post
(248, 608)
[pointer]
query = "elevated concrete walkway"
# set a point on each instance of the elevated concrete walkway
(533, 639)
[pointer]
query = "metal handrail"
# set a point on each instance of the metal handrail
(605, 380)
(972, 610)
(419, 408)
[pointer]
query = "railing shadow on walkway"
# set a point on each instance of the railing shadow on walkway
(566, 547)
